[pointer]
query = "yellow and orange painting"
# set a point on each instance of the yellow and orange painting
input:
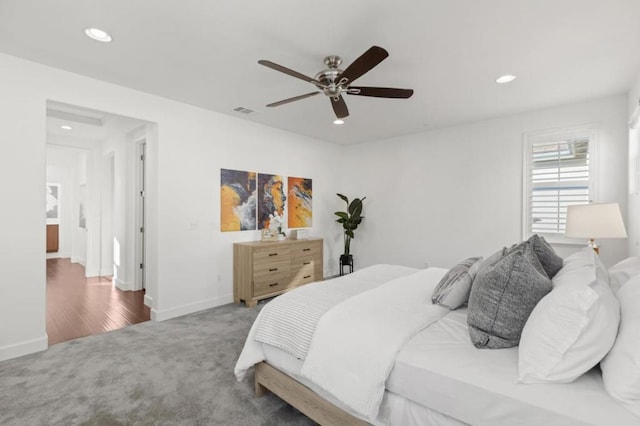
(271, 198)
(299, 207)
(237, 200)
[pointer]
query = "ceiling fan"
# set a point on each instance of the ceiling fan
(335, 82)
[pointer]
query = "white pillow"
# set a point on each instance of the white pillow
(623, 271)
(572, 328)
(621, 367)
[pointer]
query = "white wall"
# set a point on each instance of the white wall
(189, 260)
(79, 246)
(22, 185)
(435, 198)
(633, 222)
(62, 169)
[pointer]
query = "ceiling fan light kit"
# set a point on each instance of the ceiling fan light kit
(334, 82)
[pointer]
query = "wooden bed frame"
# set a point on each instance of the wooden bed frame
(312, 405)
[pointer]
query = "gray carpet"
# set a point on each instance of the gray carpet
(176, 372)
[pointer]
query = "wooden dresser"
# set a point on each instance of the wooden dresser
(264, 269)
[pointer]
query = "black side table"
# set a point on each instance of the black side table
(346, 262)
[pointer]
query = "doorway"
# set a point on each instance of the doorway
(93, 284)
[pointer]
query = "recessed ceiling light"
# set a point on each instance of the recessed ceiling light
(65, 127)
(98, 34)
(338, 121)
(507, 78)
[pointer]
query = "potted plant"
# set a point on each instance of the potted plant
(350, 221)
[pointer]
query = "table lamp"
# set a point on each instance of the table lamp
(595, 221)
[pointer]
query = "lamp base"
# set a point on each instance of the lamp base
(594, 246)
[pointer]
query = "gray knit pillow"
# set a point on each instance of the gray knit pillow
(529, 253)
(453, 289)
(488, 262)
(502, 299)
(548, 257)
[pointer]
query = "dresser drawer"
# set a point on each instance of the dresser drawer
(270, 254)
(307, 249)
(265, 269)
(272, 283)
(303, 274)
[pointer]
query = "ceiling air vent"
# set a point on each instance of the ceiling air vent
(243, 110)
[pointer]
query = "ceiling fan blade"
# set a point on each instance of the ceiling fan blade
(363, 64)
(287, 71)
(381, 92)
(295, 98)
(339, 106)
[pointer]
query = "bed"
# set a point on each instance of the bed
(425, 371)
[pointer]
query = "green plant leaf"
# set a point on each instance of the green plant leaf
(343, 215)
(357, 210)
(354, 205)
(345, 199)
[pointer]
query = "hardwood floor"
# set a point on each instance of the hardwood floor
(79, 306)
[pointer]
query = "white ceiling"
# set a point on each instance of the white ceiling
(450, 52)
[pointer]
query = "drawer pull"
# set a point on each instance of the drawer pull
(273, 269)
(307, 276)
(273, 254)
(307, 249)
(273, 285)
(307, 263)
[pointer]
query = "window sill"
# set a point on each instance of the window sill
(554, 239)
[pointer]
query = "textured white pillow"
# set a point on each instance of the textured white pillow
(573, 327)
(623, 271)
(621, 366)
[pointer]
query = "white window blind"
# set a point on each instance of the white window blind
(559, 175)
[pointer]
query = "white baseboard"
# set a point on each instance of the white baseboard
(178, 311)
(123, 285)
(78, 260)
(24, 348)
(148, 300)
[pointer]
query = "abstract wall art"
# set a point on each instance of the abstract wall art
(299, 202)
(271, 198)
(237, 200)
(53, 203)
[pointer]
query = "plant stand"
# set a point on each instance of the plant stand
(346, 261)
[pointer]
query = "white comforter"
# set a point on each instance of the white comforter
(289, 321)
(355, 342)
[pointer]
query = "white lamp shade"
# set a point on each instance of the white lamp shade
(595, 221)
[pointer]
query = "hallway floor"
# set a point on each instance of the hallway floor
(78, 306)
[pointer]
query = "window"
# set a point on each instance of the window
(558, 172)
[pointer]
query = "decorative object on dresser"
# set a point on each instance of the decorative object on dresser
(350, 221)
(595, 221)
(263, 269)
(299, 234)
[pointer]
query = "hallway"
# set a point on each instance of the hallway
(78, 306)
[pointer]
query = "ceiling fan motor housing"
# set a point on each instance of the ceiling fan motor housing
(329, 78)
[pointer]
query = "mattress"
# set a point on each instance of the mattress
(440, 368)
(395, 410)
